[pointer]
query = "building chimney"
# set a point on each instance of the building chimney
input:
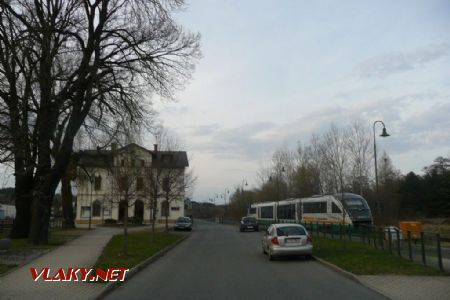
(155, 147)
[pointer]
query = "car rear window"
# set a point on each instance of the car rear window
(290, 230)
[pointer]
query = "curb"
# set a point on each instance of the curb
(139, 267)
(349, 275)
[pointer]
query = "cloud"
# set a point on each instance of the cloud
(388, 64)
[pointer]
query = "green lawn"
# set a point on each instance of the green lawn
(57, 238)
(363, 259)
(140, 247)
(6, 268)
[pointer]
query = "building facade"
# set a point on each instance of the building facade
(148, 184)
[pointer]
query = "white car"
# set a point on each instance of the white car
(392, 230)
(286, 239)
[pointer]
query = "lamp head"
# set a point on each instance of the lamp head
(384, 133)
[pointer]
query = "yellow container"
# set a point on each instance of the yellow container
(414, 227)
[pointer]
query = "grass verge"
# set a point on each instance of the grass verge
(57, 238)
(361, 259)
(5, 268)
(140, 247)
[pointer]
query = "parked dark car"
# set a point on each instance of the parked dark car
(183, 223)
(249, 223)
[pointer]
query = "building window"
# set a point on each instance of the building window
(142, 163)
(175, 208)
(140, 184)
(106, 211)
(98, 183)
(96, 208)
(166, 184)
(122, 163)
(85, 211)
(123, 183)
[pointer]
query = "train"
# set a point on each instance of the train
(341, 208)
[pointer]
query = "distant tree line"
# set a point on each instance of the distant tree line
(341, 160)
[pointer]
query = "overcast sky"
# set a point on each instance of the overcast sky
(274, 72)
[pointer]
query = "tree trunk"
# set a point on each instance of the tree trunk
(43, 195)
(23, 194)
(66, 197)
(40, 219)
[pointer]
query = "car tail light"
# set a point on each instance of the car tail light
(309, 239)
(275, 240)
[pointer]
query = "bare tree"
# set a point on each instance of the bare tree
(65, 64)
(127, 185)
(333, 150)
(360, 155)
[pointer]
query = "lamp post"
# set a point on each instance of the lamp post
(90, 180)
(383, 134)
(244, 183)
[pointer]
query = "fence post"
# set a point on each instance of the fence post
(340, 231)
(439, 253)
(397, 232)
(390, 240)
(350, 231)
(422, 246)
(409, 245)
(375, 240)
(332, 233)
(381, 237)
(317, 228)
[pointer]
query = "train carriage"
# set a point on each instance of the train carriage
(346, 208)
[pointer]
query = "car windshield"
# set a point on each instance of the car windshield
(183, 220)
(249, 220)
(290, 230)
(355, 203)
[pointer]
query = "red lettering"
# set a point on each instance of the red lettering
(103, 275)
(84, 273)
(59, 276)
(123, 271)
(37, 275)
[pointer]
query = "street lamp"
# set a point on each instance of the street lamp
(91, 181)
(244, 183)
(383, 134)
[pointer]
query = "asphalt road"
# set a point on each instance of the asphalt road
(219, 262)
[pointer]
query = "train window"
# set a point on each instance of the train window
(286, 211)
(267, 212)
(252, 210)
(335, 209)
(315, 208)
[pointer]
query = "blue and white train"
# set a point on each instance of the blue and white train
(343, 208)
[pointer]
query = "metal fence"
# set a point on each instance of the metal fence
(425, 248)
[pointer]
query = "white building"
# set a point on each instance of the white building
(110, 181)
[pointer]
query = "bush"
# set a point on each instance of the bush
(134, 221)
(110, 222)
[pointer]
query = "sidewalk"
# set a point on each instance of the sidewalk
(80, 252)
(409, 287)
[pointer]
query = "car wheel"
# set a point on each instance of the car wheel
(270, 255)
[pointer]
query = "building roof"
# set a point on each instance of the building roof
(103, 158)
